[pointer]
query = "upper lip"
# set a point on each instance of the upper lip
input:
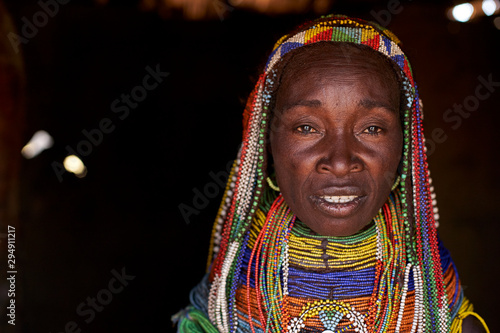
(339, 191)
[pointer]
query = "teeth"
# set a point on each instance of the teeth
(340, 198)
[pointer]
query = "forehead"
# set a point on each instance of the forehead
(342, 65)
(347, 58)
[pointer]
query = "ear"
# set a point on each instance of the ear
(399, 171)
(269, 159)
(269, 138)
(269, 148)
(270, 162)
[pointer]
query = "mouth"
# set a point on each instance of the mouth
(338, 206)
(339, 198)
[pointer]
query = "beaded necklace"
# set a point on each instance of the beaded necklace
(406, 248)
(315, 269)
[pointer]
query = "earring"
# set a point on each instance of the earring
(396, 183)
(271, 185)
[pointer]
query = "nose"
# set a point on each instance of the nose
(338, 155)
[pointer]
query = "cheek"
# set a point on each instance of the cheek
(386, 163)
(290, 164)
(285, 163)
(278, 153)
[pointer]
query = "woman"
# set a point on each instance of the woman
(327, 221)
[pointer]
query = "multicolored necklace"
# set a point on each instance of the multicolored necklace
(295, 279)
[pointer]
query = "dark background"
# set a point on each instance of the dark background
(125, 213)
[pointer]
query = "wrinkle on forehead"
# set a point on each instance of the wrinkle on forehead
(350, 63)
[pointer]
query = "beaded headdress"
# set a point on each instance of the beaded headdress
(247, 181)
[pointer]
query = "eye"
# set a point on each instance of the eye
(373, 130)
(306, 129)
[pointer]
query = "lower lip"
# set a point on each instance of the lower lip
(338, 210)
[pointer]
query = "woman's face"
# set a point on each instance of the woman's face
(336, 137)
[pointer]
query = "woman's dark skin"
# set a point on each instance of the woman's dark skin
(336, 136)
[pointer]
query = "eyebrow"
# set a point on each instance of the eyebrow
(309, 103)
(366, 103)
(371, 104)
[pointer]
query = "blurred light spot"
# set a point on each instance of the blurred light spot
(40, 141)
(75, 165)
(496, 22)
(463, 12)
(489, 7)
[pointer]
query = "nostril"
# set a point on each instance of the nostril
(325, 168)
(357, 167)
(339, 165)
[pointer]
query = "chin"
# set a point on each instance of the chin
(336, 228)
